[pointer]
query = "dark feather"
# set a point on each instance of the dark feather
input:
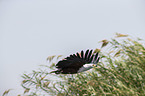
(96, 56)
(82, 54)
(78, 55)
(91, 58)
(89, 55)
(97, 60)
(62, 64)
(86, 54)
(74, 56)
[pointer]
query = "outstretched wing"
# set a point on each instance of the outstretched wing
(77, 60)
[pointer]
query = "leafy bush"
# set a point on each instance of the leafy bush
(120, 72)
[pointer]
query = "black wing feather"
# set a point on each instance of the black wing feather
(78, 55)
(91, 58)
(96, 56)
(74, 56)
(62, 63)
(82, 54)
(97, 60)
(86, 54)
(89, 55)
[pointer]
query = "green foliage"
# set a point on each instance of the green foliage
(6, 92)
(120, 72)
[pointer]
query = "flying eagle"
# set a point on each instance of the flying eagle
(77, 63)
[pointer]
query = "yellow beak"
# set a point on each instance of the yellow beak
(94, 65)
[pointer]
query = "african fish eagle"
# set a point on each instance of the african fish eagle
(77, 63)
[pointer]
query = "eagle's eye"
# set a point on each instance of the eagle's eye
(94, 65)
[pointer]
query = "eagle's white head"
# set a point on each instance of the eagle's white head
(86, 67)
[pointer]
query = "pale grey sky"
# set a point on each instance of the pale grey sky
(31, 30)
